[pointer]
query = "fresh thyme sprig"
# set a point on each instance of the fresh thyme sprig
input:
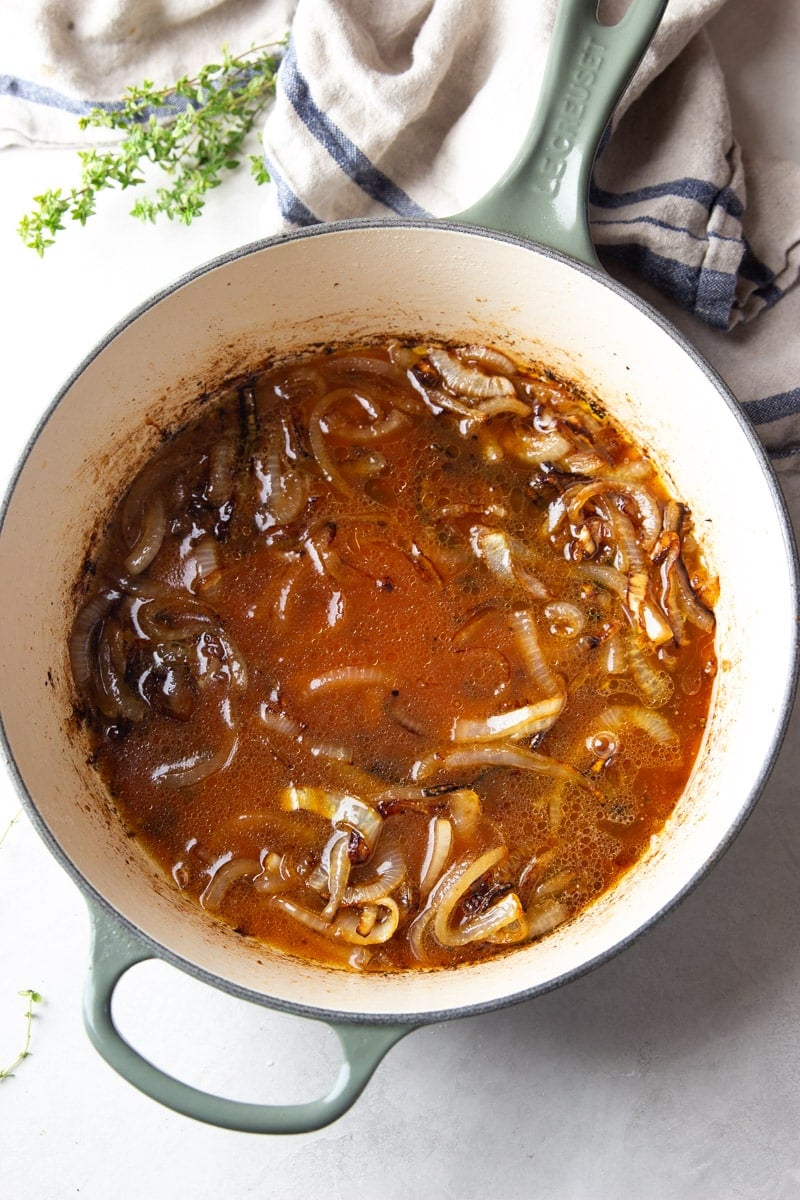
(29, 994)
(33, 998)
(10, 826)
(193, 131)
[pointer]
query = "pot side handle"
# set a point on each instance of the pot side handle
(544, 193)
(115, 950)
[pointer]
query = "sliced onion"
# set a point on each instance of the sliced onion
(465, 810)
(352, 927)
(524, 629)
(186, 772)
(648, 508)
(113, 696)
(501, 554)
(482, 756)
(284, 491)
(234, 661)
(151, 536)
(335, 751)
(316, 436)
(544, 917)
(224, 877)
(453, 885)
(364, 366)
(494, 547)
(437, 852)
(221, 467)
(388, 873)
(468, 381)
(276, 875)
(623, 716)
(692, 608)
(279, 722)
(530, 446)
(504, 912)
(616, 660)
(607, 576)
(345, 677)
(655, 685)
(630, 555)
(379, 429)
(345, 927)
(495, 360)
(516, 723)
(336, 858)
(304, 915)
(206, 559)
(566, 620)
(87, 620)
(503, 404)
(584, 462)
(556, 884)
(341, 808)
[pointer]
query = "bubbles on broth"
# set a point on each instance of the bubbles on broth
(391, 657)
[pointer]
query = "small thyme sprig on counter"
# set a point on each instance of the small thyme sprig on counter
(33, 998)
(193, 130)
(29, 994)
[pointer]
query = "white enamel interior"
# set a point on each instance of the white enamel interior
(346, 284)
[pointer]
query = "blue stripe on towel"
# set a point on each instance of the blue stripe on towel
(291, 206)
(755, 271)
(660, 224)
(711, 295)
(34, 93)
(701, 191)
(773, 408)
(344, 153)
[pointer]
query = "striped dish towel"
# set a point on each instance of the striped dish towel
(415, 107)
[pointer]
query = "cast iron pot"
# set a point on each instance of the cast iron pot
(344, 283)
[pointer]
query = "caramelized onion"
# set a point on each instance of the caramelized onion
(345, 677)
(517, 723)
(504, 912)
(336, 857)
(452, 886)
(544, 917)
(317, 429)
(647, 507)
(653, 682)
(388, 873)
(468, 381)
(345, 927)
(224, 877)
(620, 717)
(151, 536)
(523, 625)
(196, 767)
(342, 809)
(513, 757)
(437, 852)
(86, 622)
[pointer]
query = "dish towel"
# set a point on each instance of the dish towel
(416, 107)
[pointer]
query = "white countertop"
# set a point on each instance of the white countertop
(673, 1071)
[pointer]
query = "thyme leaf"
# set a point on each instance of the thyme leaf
(29, 994)
(193, 130)
(33, 998)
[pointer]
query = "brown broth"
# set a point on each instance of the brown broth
(312, 614)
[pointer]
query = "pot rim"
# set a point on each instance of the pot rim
(165, 954)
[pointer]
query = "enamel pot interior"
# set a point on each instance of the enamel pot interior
(341, 284)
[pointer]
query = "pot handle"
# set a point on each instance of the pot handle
(544, 193)
(114, 950)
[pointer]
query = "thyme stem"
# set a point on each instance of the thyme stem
(193, 130)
